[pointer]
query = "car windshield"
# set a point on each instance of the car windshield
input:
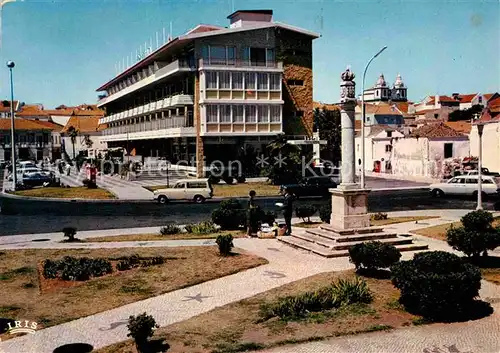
(228, 175)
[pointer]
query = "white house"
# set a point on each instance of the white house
(378, 147)
(491, 137)
(419, 155)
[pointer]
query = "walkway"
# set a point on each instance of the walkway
(285, 265)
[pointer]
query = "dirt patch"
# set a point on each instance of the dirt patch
(236, 327)
(439, 232)
(50, 302)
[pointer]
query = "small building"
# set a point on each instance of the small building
(381, 113)
(381, 92)
(34, 139)
(88, 137)
(490, 117)
(423, 152)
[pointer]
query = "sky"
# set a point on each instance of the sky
(65, 49)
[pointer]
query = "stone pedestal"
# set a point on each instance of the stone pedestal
(349, 207)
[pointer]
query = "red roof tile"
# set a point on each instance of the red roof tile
(460, 126)
(5, 105)
(467, 98)
(84, 124)
(435, 131)
(24, 124)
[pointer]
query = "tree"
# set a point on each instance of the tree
(284, 161)
(328, 123)
(465, 115)
(88, 141)
(73, 134)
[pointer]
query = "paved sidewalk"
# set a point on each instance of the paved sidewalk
(285, 265)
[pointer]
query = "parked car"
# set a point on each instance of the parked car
(466, 185)
(196, 190)
(311, 187)
(33, 179)
(485, 171)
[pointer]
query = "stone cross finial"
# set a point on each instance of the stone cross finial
(347, 86)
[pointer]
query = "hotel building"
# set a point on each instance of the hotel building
(212, 92)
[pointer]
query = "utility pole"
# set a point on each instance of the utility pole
(10, 65)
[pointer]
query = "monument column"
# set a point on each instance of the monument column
(349, 201)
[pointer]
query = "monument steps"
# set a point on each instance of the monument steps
(321, 250)
(348, 238)
(365, 230)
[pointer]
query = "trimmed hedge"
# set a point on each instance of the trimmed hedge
(476, 236)
(373, 255)
(437, 285)
(225, 243)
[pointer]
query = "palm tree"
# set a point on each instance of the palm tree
(73, 134)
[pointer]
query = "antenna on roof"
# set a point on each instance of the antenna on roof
(164, 37)
(232, 5)
(170, 35)
(157, 42)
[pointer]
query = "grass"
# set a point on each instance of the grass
(235, 190)
(439, 232)
(25, 294)
(237, 327)
(80, 192)
(152, 237)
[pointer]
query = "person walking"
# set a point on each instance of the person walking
(252, 208)
(288, 210)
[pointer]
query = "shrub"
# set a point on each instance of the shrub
(230, 215)
(339, 293)
(373, 255)
(346, 292)
(69, 232)
(476, 236)
(205, 227)
(437, 285)
(325, 213)
(225, 243)
(141, 327)
(50, 269)
(170, 229)
(378, 216)
(123, 265)
(305, 211)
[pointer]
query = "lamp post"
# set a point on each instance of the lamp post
(480, 127)
(363, 118)
(10, 65)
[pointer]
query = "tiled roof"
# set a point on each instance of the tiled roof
(88, 124)
(460, 126)
(375, 129)
(402, 106)
(425, 111)
(79, 112)
(49, 124)
(24, 124)
(382, 109)
(435, 131)
(31, 110)
(494, 103)
(489, 95)
(466, 98)
(447, 99)
(59, 112)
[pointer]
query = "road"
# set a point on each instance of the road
(92, 216)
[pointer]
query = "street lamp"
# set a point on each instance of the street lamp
(480, 127)
(10, 65)
(363, 118)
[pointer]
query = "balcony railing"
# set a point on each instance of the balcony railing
(153, 125)
(179, 100)
(240, 63)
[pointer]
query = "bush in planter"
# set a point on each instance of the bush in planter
(170, 229)
(436, 284)
(373, 255)
(306, 211)
(325, 213)
(225, 243)
(69, 232)
(141, 328)
(230, 215)
(476, 236)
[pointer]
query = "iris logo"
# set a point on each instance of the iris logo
(22, 327)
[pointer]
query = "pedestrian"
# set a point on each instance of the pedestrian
(251, 210)
(288, 210)
(68, 169)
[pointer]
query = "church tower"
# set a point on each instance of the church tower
(398, 92)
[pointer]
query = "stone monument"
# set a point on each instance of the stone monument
(349, 201)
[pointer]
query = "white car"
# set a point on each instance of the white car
(196, 190)
(466, 185)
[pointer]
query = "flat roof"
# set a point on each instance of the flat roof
(262, 12)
